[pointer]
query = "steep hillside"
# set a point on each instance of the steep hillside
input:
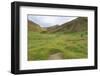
(76, 25)
(52, 28)
(33, 27)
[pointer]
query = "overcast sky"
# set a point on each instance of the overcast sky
(47, 21)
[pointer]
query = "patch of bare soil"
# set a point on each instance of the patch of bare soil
(56, 56)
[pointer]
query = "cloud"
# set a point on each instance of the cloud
(46, 21)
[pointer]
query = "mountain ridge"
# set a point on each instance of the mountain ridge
(77, 25)
(32, 26)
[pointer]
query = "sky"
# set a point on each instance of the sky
(47, 21)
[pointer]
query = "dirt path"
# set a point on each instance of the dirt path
(56, 56)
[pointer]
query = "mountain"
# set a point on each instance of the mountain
(51, 28)
(33, 27)
(76, 25)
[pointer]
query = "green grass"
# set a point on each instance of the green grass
(71, 45)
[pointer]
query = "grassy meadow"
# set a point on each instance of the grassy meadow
(72, 45)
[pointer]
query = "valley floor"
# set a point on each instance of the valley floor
(51, 46)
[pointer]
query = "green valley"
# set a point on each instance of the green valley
(68, 39)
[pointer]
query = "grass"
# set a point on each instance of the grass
(71, 45)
